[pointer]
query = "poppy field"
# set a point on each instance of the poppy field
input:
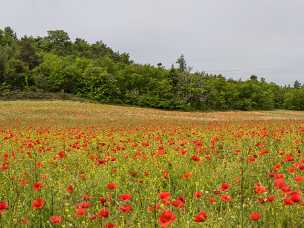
(71, 164)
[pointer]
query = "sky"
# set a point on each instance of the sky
(236, 38)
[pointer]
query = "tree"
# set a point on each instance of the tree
(100, 85)
(49, 75)
(17, 74)
(58, 41)
(125, 58)
(182, 65)
(173, 76)
(297, 84)
(253, 78)
(3, 63)
(99, 49)
(27, 53)
(294, 99)
(7, 36)
(81, 48)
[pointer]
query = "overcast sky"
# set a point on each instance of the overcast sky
(234, 37)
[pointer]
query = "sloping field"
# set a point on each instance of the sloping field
(76, 164)
(67, 113)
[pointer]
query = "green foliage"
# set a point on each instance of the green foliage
(7, 37)
(55, 63)
(17, 74)
(294, 99)
(58, 41)
(49, 75)
(99, 85)
(3, 63)
(182, 65)
(27, 53)
(57, 73)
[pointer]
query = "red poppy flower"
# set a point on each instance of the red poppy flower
(79, 212)
(4, 166)
(166, 218)
(179, 202)
(166, 174)
(70, 189)
(279, 183)
(84, 205)
(224, 187)
(39, 165)
(277, 167)
(195, 158)
(288, 201)
(251, 159)
(299, 179)
(295, 197)
(263, 152)
(271, 198)
(259, 188)
(291, 169)
(198, 194)
(109, 225)
(125, 197)
(3, 206)
(38, 203)
(55, 219)
(255, 216)
(164, 195)
(102, 200)
(201, 217)
(186, 175)
(103, 213)
(37, 186)
(111, 186)
(61, 154)
(183, 151)
(212, 201)
(288, 158)
(225, 198)
(125, 208)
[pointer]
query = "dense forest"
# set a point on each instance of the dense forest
(55, 63)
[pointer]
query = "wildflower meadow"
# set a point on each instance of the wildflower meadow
(70, 164)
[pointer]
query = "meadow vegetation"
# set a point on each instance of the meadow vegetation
(73, 164)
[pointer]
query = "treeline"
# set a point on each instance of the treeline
(55, 63)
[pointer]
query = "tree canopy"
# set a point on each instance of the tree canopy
(55, 63)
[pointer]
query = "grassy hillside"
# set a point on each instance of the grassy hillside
(75, 113)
